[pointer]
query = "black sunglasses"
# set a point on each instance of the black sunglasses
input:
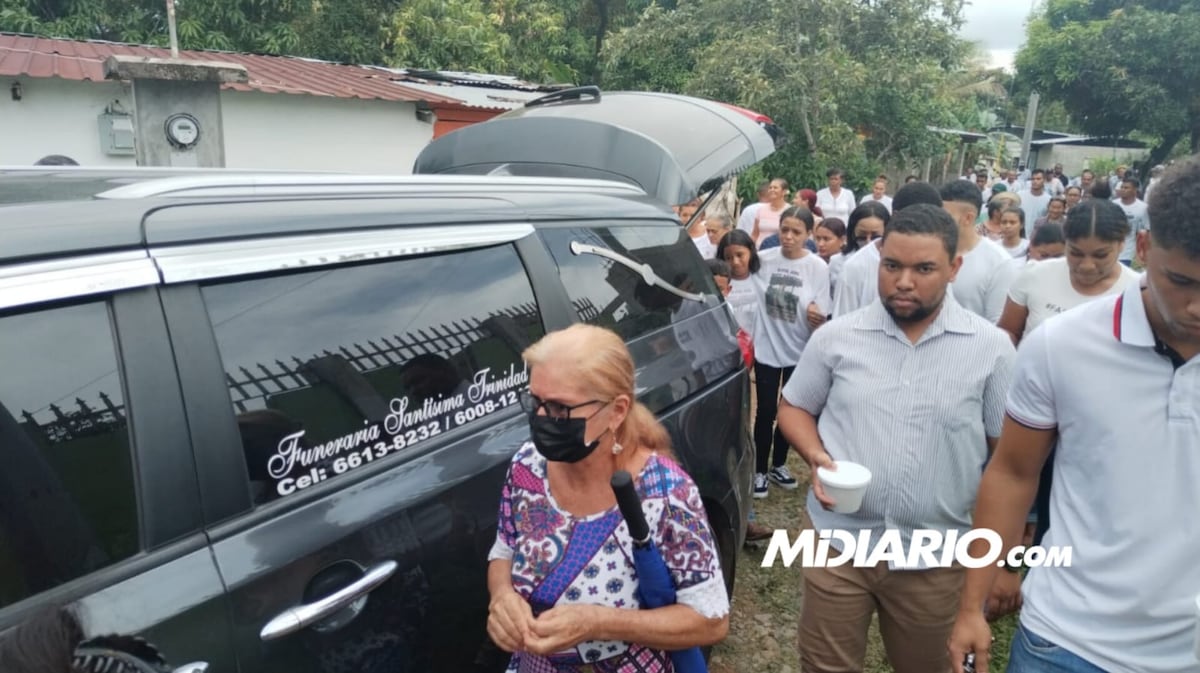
(556, 410)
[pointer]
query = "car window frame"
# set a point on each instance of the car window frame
(168, 520)
(218, 449)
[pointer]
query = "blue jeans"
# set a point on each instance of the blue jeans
(1032, 653)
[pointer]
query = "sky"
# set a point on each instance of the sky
(999, 25)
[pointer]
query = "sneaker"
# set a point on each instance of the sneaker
(760, 485)
(783, 478)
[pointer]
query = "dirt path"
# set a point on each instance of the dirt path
(766, 602)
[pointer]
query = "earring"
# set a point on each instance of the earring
(617, 448)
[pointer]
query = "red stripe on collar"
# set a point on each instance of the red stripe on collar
(1117, 316)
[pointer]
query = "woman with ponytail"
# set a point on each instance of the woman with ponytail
(563, 588)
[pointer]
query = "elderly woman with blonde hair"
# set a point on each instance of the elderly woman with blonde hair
(561, 576)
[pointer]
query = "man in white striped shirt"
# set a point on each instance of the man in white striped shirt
(912, 386)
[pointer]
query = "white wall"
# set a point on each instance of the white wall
(1075, 158)
(276, 131)
(300, 132)
(56, 116)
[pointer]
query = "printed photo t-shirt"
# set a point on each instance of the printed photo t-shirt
(786, 287)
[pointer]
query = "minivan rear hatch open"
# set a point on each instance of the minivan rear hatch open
(673, 147)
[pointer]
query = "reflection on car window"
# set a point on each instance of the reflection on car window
(335, 369)
(610, 294)
(66, 490)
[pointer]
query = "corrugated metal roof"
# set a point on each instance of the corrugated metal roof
(476, 97)
(29, 56)
(475, 90)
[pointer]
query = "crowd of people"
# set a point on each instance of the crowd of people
(991, 356)
(988, 350)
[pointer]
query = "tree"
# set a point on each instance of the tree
(543, 40)
(449, 35)
(1120, 67)
(856, 83)
(339, 30)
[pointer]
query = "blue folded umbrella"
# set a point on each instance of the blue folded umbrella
(655, 586)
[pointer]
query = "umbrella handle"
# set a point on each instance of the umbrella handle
(631, 507)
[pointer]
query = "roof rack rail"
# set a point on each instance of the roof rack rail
(242, 185)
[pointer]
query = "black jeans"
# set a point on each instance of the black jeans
(768, 384)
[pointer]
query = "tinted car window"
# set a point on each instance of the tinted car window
(67, 498)
(611, 294)
(335, 369)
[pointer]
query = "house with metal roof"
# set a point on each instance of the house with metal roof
(285, 113)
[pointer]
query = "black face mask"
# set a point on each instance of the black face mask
(561, 440)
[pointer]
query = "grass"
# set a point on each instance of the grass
(766, 601)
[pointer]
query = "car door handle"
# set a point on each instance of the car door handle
(194, 667)
(304, 616)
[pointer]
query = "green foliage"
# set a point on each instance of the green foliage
(335, 30)
(1119, 67)
(540, 40)
(449, 34)
(856, 84)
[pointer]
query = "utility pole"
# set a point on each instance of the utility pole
(171, 28)
(1030, 121)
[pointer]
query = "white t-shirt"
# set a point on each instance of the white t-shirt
(984, 279)
(1124, 497)
(1139, 220)
(787, 287)
(885, 200)
(839, 207)
(858, 280)
(1020, 250)
(1034, 206)
(743, 300)
(1045, 290)
(705, 246)
(1020, 263)
(746, 219)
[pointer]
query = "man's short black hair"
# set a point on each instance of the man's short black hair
(719, 267)
(961, 191)
(1174, 208)
(56, 160)
(1130, 180)
(913, 193)
(926, 220)
(1101, 190)
(1036, 171)
(834, 172)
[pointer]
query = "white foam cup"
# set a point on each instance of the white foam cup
(846, 485)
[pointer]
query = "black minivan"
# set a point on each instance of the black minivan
(263, 419)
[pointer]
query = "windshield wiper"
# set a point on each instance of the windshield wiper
(643, 270)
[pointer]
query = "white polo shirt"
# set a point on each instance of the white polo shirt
(1126, 494)
(839, 206)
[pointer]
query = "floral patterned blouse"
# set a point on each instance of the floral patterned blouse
(558, 558)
